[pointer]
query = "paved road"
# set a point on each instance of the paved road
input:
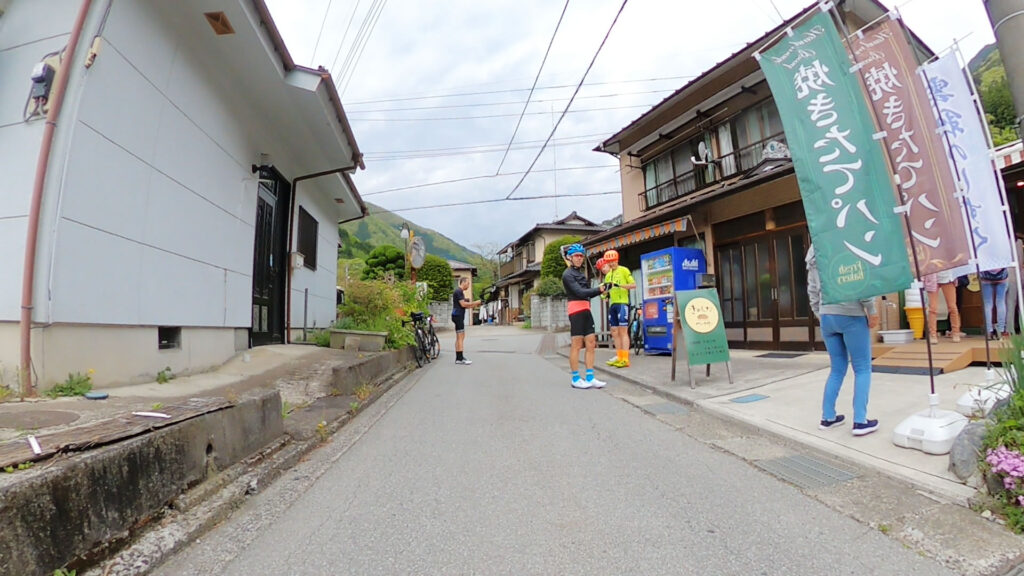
(502, 468)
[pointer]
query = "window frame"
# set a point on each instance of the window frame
(305, 239)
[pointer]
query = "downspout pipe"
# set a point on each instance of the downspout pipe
(291, 219)
(60, 84)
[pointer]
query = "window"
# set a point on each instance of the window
(307, 238)
(168, 337)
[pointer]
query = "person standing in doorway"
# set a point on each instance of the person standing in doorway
(993, 291)
(619, 282)
(460, 303)
(581, 321)
(945, 283)
(846, 329)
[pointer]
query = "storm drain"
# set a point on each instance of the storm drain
(805, 472)
(666, 408)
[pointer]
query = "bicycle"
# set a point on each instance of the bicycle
(433, 344)
(421, 350)
(636, 332)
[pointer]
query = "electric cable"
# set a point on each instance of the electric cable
(489, 116)
(567, 106)
(534, 86)
(506, 90)
(483, 177)
(493, 200)
(351, 111)
(348, 26)
(321, 33)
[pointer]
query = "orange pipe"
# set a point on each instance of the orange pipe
(28, 274)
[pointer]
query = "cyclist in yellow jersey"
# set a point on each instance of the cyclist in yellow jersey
(620, 282)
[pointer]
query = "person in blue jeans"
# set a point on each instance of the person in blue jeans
(993, 288)
(846, 329)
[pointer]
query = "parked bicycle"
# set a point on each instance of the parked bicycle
(636, 331)
(433, 344)
(421, 349)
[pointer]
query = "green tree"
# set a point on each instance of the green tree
(553, 265)
(438, 275)
(384, 259)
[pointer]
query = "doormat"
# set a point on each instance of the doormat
(910, 370)
(748, 398)
(781, 355)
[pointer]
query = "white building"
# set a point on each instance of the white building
(191, 163)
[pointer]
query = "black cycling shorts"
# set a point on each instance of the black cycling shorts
(460, 323)
(581, 323)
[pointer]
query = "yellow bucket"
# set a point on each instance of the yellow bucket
(915, 317)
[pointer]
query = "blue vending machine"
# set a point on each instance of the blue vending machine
(663, 274)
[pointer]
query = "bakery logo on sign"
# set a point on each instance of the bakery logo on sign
(690, 264)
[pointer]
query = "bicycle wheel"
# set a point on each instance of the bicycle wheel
(423, 343)
(636, 337)
(435, 344)
(421, 357)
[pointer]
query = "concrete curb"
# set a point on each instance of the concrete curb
(938, 490)
(76, 508)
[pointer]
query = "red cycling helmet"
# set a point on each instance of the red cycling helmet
(611, 256)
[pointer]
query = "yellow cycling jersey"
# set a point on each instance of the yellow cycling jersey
(620, 276)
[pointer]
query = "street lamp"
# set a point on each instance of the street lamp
(407, 235)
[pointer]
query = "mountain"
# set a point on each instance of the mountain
(989, 76)
(381, 227)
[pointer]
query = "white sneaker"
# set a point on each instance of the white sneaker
(466, 361)
(595, 383)
(581, 384)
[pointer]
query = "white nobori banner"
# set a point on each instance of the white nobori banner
(971, 161)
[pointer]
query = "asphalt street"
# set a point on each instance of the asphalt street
(502, 468)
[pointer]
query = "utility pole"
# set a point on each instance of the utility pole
(1007, 18)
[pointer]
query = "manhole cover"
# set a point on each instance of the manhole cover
(805, 472)
(35, 419)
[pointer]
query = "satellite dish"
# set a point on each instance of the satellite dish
(417, 252)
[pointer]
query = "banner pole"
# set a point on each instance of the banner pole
(1007, 221)
(899, 203)
(963, 202)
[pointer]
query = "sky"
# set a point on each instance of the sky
(436, 92)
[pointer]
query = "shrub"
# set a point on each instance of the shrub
(1004, 438)
(553, 265)
(550, 287)
(382, 260)
(77, 384)
(379, 306)
(437, 273)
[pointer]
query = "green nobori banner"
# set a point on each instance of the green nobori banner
(844, 182)
(700, 315)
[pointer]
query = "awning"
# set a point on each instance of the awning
(641, 235)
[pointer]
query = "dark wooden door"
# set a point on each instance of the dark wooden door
(269, 261)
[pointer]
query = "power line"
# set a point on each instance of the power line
(348, 26)
(321, 33)
(359, 44)
(575, 92)
(493, 200)
(507, 90)
(351, 111)
(487, 116)
(421, 155)
(485, 176)
(535, 80)
(475, 146)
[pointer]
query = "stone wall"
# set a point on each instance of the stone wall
(548, 313)
(442, 312)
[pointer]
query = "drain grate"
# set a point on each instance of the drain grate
(748, 398)
(805, 472)
(666, 408)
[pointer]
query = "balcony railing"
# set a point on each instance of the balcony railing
(739, 160)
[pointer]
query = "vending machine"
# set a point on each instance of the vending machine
(663, 273)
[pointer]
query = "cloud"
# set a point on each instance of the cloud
(419, 49)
